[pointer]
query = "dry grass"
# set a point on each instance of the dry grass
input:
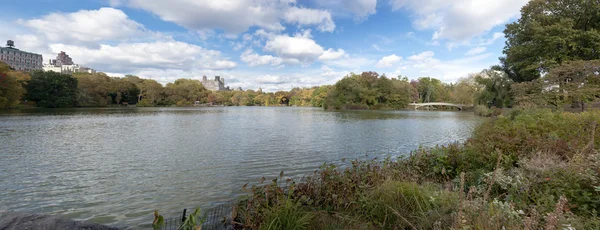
(520, 171)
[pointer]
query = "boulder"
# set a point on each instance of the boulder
(27, 221)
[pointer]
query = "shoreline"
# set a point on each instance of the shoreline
(445, 174)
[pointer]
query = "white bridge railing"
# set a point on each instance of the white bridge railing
(459, 106)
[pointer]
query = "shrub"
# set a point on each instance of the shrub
(525, 133)
(403, 205)
(516, 167)
(288, 215)
(484, 111)
(145, 103)
(356, 106)
(438, 163)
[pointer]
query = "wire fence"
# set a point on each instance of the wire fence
(217, 218)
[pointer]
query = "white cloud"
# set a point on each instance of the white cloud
(253, 59)
(460, 20)
(494, 37)
(86, 26)
(300, 47)
(424, 64)
(236, 16)
(160, 54)
(220, 64)
(352, 63)
(476, 50)
(233, 16)
(165, 76)
(388, 61)
(115, 3)
(332, 54)
(305, 16)
(361, 8)
(272, 80)
(422, 56)
(451, 45)
(285, 81)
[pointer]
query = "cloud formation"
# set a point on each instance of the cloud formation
(476, 50)
(300, 47)
(236, 16)
(459, 20)
(388, 61)
(160, 54)
(86, 26)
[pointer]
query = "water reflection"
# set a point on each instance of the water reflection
(117, 165)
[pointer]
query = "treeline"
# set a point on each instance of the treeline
(371, 91)
(355, 91)
(368, 90)
(55, 90)
(551, 58)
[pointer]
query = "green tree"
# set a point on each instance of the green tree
(319, 95)
(52, 90)
(496, 88)
(367, 91)
(123, 91)
(431, 90)
(576, 82)
(549, 33)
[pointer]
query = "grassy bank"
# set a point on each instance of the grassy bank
(524, 170)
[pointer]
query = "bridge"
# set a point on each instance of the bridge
(459, 106)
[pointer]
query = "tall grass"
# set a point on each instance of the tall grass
(524, 170)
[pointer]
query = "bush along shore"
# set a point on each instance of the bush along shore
(523, 170)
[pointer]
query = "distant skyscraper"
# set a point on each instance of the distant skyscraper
(20, 60)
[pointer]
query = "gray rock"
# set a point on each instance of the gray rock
(26, 221)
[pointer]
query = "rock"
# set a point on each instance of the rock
(26, 221)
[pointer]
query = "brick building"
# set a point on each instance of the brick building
(20, 60)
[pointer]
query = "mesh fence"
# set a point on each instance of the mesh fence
(217, 218)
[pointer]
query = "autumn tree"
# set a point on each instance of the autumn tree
(151, 93)
(11, 86)
(465, 91)
(186, 92)
(93, 90)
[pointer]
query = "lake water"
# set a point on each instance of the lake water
(115, 166)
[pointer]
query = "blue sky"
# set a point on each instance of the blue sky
(272, 44)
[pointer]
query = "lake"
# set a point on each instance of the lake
(116, 166)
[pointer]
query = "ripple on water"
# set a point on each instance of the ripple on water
(116, 166)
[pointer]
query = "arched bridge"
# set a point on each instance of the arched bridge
(459, 106)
